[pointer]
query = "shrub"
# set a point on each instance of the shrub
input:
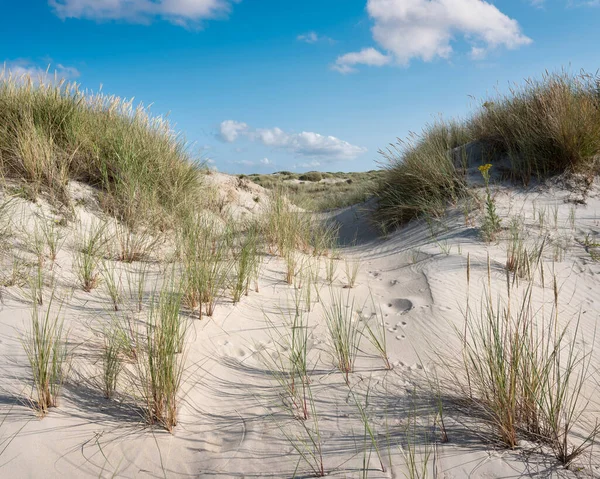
(313, 176)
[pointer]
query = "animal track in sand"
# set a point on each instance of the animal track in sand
(401, 337)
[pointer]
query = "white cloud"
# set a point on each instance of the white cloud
(425, 29)
(265, 161)
(367, 56)
(306, 143)
(309, 37)
(180, 12)
(230, 130)
(313, 37)
(21, 69)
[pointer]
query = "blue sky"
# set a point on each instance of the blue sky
(269, 85)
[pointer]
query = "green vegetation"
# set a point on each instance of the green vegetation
(546, 127)
(52, 132)
(316, 191)
(525, 368)
(46, 349)
(420, 175)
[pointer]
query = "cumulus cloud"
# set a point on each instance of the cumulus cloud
(425, 29)
(21, 69)
(230, 130)
(367, 56)
(181, 12)
(265, 161)
(305, 143)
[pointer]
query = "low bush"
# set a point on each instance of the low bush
(313, 176)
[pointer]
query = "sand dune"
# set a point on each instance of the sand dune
(231, 423)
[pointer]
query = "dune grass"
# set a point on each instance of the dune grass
(545, 126)
(345, 332)
(160, 362)
(89, 255)
(420, 174)
(541, 128)
(525, 370)
(111, 360)
(52, 132)
(46, 348)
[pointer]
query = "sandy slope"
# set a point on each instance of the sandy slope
(231, 423)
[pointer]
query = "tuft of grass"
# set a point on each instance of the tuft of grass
(134, 245)
(160, 364)
(245, 264)
(344, 332)
(289, 363)
(112, 283)
(287, 228)
(46, 348)
(351, 269)
(308, 443)
(525, 370)
(203, 247)
(112, 362)
(376, 333)
(89, 255)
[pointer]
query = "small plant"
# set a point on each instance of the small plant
(491, 221)
(160, 367)
(417, 450)
(134, 245)
(289, 363)
(46, 349)
(245, 268)
(370, 433)
(330, 267)
(525, 371)
(351, 269)
(136, 284)
(572, 216)
(519, 257)
(89, 255)
(113, 285)
(17, 275)
(5, 220)
(376, 333)
(308, 442)
(344, 332)
(54, 237)
(445, 247)
(112, 363)
(291, 266)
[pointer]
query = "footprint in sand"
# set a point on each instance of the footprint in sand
(401, 337)
(401, 305)
(401, 324)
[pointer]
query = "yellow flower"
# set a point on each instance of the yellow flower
(485, 168)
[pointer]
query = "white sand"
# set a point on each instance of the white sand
(230, 422)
